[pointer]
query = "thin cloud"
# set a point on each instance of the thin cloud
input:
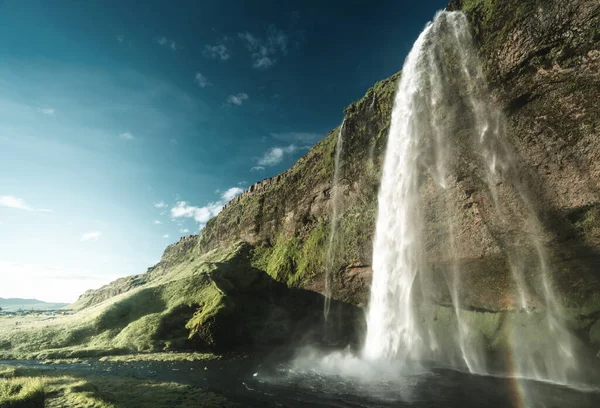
(219, 51)
(157, 222)
(91, 236)
(275, 155)
(184, 231)
(47, 111)
(19, 204)
(257, 168)
(166, 236)
(120, 38)
(165, 42)
(126, 136)
(238, 99)
(264, 51)
(201, 80)
(160, 204)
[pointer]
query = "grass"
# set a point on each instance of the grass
(23, 387)
(215, 303)
(170, 314)
(21, 392)
(162, 357)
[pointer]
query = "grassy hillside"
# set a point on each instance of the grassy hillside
(219, 301)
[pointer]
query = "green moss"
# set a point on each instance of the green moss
(214, 303)
(312, 259)
(284, 259)
(587, 219)
(483, 7)
(261, 255)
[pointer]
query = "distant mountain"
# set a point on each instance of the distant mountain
(13, 304)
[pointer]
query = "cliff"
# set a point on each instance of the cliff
(541, 59)
(542, 62)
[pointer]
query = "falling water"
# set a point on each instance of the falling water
(333, 233)
(444, 129)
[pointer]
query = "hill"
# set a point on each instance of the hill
(14, 304)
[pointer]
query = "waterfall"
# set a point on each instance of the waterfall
(333, 233)
(445, 129)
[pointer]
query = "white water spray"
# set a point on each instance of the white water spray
(442, 115)
(333, 232)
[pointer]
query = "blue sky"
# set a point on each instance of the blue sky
(126, 125)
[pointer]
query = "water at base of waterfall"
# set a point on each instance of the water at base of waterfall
(338, 380)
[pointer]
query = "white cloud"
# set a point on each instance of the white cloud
(201, 80)
(231, 193)
(19, 204)
(238, 99)
(264, 51)
(91, 236)
(257, 168)
(126, 136)
(157, 222)
(199, 214)
(275, 155)
(184, 231)
(202, 214)
(120, 38)
(47, 111)
(298, 137)
(160, 204)
(216, 51)
(14, 202)
(162, 40)
(166, 236)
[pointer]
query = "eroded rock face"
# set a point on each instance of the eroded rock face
(541, 60)
(542, 63)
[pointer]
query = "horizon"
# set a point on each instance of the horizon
(125, 128)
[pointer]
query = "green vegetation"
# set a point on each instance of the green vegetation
(31, 388)
(217, 303)
(312, 255)
(483, 7)
(284, 259)
(20, 392)
(586, 219)
(171, 315)
(292, 260)
(163, 357)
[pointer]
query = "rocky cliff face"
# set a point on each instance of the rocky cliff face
(541, 59)
(287, 217)
(542, 62)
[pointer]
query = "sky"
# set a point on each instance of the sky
(125, 125)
